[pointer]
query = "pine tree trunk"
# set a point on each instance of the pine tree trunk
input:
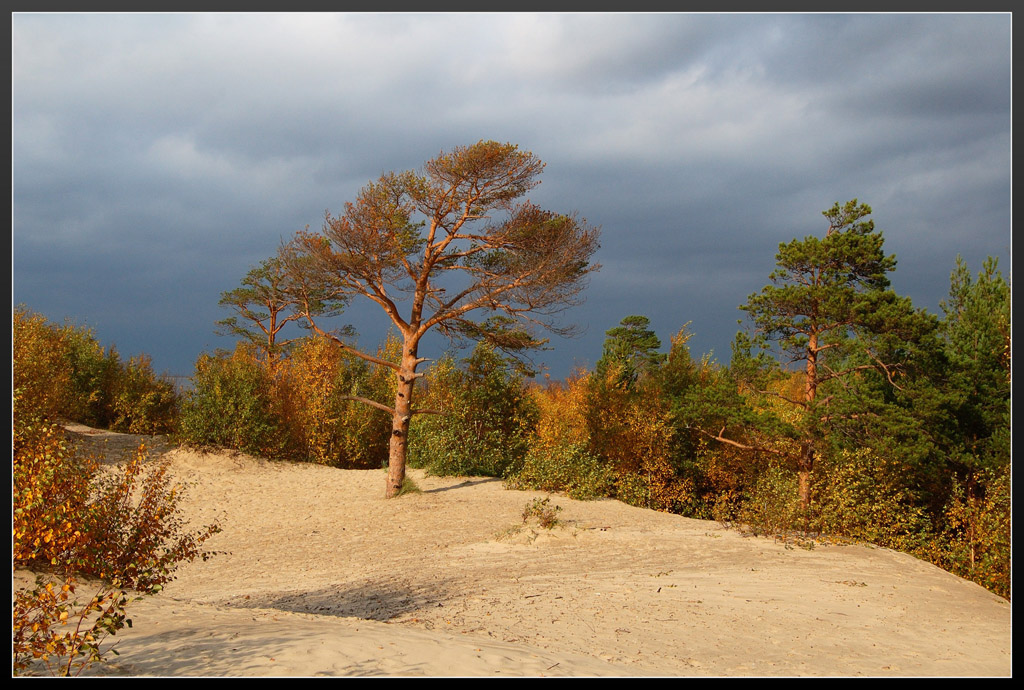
(805, 490)
(806, 463)
(804, 468)
(398, 448)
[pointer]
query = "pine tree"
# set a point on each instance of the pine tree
(263, 306)
(449, 248)
(631, 348)
(829, 309)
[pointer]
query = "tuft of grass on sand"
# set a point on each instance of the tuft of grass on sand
(408, 487)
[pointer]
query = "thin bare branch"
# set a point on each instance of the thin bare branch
(348, 348)
(742, 446)
(371, 403)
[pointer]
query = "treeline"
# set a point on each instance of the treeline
(843, 413)
(62, 371)
(930, 476)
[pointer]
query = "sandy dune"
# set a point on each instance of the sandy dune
(325, 577)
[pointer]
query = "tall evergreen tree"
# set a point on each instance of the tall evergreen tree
(830, 310)
(948, 417)
(976, 335)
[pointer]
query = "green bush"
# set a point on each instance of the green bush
(771, 506)
(486, 421)
(231, 405)
(864, 497)
(95, 373)
(569, 467)
(633, 489)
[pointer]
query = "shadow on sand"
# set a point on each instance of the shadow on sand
(378, 601)
(463, 485)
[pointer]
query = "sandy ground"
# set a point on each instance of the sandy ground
(323, 576)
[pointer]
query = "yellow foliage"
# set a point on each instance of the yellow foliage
(59, 635)
(322, 424)
(69, 520)
(39, 365)
(630, 432)
(977, 540)
(563, 413)
(633, 431)
(50, 490)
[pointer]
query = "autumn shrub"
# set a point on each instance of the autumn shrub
(315, 414)
(648, 468)
(137, 534)
(142, 402)
(718, 477)
(300, 408)
(863, 496)
(71, 520)
(975, 541)
(231, 405)
(608, 406)
(127, 535)
(61, 635)
(541, 510)
(722, 478)
(724, 506)
(631, 429)
(485, 421)
(51, 488)
(39, 367)
(562, 413)
(64, 372)
(324, 424)
(771, 506)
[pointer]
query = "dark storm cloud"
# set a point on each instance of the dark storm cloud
(157, 157)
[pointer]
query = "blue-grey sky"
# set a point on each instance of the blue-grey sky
(157, 157)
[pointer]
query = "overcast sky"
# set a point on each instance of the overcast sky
(156, 158)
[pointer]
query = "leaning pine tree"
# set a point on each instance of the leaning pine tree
(453, 248)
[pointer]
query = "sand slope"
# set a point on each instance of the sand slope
(322, 576)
